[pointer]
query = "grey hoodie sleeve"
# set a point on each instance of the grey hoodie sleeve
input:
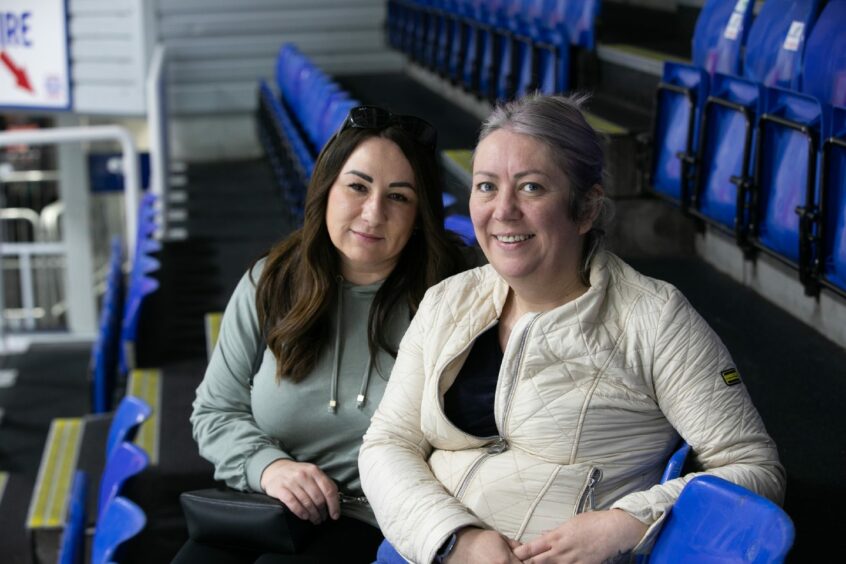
(222, 417)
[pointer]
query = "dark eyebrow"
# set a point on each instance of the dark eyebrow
(485, 173)
(366, 177)
(401, 184)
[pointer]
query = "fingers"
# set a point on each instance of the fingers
(300, 504)
(304, 489)
(531, 549)
(329, 490)
(512, 543)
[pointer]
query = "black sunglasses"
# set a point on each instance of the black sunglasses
(374, 117)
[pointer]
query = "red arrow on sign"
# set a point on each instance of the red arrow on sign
(19, 72)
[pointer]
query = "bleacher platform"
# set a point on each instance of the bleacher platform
(726, 143)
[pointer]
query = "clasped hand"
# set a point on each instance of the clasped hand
(587, 538)
(304, 488)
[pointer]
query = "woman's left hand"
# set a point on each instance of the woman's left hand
(587, 537)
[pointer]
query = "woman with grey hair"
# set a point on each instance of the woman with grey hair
(535, 400)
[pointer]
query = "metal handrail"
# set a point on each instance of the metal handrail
(157, 126)
(129, 162)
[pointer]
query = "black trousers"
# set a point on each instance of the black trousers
(346, 541)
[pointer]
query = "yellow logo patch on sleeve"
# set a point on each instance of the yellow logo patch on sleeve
(730, 376)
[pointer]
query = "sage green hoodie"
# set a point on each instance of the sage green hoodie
(241, 429)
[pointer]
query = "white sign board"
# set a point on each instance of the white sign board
(34, 54)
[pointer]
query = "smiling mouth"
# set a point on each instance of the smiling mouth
(367, 235)
(513, 238)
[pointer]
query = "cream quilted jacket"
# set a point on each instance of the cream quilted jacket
(591, 399)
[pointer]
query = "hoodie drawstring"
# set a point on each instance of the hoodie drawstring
(336, 362)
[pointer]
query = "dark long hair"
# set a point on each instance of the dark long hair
(302, 272)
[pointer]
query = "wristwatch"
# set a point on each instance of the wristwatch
(446, 548)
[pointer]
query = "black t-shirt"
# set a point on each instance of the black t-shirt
(469, 402)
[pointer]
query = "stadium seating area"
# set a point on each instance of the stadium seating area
(747, 138)
(725, 123)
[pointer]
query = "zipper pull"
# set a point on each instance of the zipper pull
(497, 447)
(594, 479)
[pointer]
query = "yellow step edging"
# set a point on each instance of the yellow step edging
(212, 331)
(146, 384)
(4, 479)
(462, 157)
(49, 503)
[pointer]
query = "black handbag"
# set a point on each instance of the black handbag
(252, 521)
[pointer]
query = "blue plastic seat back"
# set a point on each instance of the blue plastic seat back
(336, 114)
(720, 34)
(675, 464)
(724, 153)
(387, 554)
(72, 546)
(786, 161)
(129, 415)
(825, 56)
(462, 226)
(677, 118)
(834, 260)
(126, 461)
(580, 19)
(120, 521)
(776, 44)
(714, 521)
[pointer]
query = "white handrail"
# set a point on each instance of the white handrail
(157, 128)
(129, 161)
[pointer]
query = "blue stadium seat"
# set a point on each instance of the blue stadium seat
(720, 31)
(105, 353)
(720, 35)
(833, 198)
(785, 216)
(125, 461)
(676, 463)
(129, 415)
(120, 521)
(679, 99)
(462, 226)
(580, 16)
(462, 40)
(141, 284)
(791, 126)
(476, 55)
(727, 132)
(825, 75)
(714, 520)
(72, 547)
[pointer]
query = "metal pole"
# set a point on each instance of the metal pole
(157, 127)
(93, 133)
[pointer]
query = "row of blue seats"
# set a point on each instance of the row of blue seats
(296, 123)
(113, 353)
(497, 49)
(753, 142)
(118, 519)
(295, 126)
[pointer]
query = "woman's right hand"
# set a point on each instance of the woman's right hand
(474, 545)
(303, 488)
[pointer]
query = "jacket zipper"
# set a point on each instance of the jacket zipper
(586, 498)
(499, 446)
(521, 352)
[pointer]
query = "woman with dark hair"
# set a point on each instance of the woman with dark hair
(535, 400)
(309, 336)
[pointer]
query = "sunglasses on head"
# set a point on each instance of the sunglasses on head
(374, 117)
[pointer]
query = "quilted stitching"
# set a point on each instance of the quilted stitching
(605, 361)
